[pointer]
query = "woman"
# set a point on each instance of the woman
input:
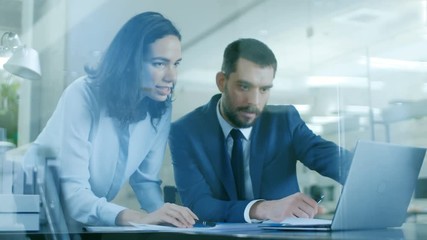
(113, 126)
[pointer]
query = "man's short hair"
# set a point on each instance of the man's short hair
(250, 49)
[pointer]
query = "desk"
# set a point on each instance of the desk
(409, 231)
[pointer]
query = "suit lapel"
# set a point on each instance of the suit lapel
(215, 144)
(258, 148)
(221, 165)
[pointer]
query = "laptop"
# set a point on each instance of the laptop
(376, 194)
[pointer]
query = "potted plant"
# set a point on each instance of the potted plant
(9, 106)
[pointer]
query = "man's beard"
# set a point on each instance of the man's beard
(232, 115)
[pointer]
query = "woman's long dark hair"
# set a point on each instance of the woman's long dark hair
(117, 79)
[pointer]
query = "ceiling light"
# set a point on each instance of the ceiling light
(390, 63)
(343, 82)
(334, 81)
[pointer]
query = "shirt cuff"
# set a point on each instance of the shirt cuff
(110, 213)
(248, 209)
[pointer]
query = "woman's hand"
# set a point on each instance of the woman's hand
(168, 214)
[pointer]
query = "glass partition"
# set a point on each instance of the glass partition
(354, 70)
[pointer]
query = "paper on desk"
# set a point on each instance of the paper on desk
(107, 229)
(219, 227)
(145, 227)
(301, 221)
(136, 227)
(229, 227)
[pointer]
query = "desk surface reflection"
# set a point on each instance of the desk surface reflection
(409, 231)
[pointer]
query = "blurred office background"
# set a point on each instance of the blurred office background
(354, 69)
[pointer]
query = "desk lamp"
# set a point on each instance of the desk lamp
(24, 61)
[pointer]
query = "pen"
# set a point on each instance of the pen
(320, 199)
(200, 223)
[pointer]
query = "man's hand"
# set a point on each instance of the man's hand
(297, 205)
(169, 213)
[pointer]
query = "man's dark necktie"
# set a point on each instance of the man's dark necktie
(237, 163)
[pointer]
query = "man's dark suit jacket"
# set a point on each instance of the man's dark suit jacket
(279, 139)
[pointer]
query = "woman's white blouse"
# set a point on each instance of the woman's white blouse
(97, 156)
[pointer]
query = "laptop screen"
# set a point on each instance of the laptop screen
(377, 191)
(379, 186)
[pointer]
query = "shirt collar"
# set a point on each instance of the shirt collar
(226, 127)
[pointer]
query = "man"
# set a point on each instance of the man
(274, 139)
